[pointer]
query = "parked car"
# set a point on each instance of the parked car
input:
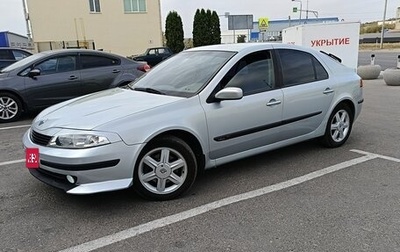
(204, 107)
(154, 55)
(9, 55)
(51, 77)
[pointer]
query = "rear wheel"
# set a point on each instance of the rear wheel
(165, 169)
(339, 126)
(10, 108)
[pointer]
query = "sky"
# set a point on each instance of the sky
(12, 17)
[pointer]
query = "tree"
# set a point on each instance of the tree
(206, 28)
(174, 32)
(216, 28)
(241, 38)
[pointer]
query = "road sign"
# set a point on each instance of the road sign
(263, 24)
(295, 9)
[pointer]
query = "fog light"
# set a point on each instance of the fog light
(71, 179)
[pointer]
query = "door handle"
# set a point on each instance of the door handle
(273, 102)
(116, 71)
(328, 91)
(72, 77)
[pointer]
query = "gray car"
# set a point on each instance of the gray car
(199, 109)
(51, 77)
(10, 55)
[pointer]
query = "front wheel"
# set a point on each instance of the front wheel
(10, 108)
(339, 127)
(165, 169)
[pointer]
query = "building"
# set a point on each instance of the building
(10, 39)
(125, 27)
(273, 33)
(275, 27)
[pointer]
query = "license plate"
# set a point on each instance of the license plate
(32, 160)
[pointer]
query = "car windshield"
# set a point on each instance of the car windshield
(183, 75)
(25, 61)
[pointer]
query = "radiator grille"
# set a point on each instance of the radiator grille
(40, 139)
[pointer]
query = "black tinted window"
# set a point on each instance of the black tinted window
(91, 61)
(5, 54)
(57, 65)
(300, 67)
(254, 73)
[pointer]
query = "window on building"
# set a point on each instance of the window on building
(94, 5)
(135, 6)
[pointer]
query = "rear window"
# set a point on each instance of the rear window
(92, 61)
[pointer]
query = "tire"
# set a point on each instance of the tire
(155, 179)
(339, 126)
(10, 107)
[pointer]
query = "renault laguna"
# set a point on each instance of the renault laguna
(199, 109)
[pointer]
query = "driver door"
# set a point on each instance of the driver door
(237, 126)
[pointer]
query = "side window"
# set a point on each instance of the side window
(152, 52)
(300, 67)
(18, 55)
(254, 73)
(161, 51)
(5, 54)
(92, 61)
(57, 65)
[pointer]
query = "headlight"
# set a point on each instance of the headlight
(78, 141)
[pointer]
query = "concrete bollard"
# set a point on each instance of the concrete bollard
(398, 61)
(372, 59)
(391, 76)
(369, 72)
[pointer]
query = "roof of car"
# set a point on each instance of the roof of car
(238, 47)
(58, 51)
(15, 48)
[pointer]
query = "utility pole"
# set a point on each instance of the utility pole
(307, 11)
(28, 28)
(383, 24)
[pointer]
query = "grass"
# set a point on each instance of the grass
(390, 46)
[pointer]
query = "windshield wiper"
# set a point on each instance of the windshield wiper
(149, 90)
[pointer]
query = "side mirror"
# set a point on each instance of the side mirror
(33, 73)
(229, 93)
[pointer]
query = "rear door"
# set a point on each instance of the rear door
(308, 92)
(98, 72)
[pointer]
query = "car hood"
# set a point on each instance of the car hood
(93, 110)
(3, 75)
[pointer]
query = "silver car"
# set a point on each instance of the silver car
(199, 109)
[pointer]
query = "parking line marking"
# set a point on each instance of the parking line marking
(15, 127)
(12, 162)
(159, 223)
(377, 155)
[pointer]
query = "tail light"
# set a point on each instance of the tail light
(144, 68)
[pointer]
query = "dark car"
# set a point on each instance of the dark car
(154, 55)
(9, 55)
(51, 77)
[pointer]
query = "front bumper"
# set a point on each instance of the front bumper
(99, 169)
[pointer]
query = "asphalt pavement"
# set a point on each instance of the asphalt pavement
(300, 198)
